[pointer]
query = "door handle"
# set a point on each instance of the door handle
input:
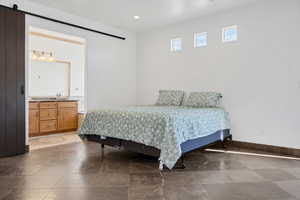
(22, 90)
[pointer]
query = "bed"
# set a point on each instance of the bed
(164, 131)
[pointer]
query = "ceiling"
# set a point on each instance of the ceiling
(153, 13)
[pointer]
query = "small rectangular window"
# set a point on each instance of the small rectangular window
(176, 44)
(200, 39)
(230, 34)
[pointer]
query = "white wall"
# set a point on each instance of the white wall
(110, 63)
(259, 75)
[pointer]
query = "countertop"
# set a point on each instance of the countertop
(51, 99)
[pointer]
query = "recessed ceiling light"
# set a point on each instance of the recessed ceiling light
(136, 17)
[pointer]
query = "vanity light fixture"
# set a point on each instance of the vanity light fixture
(42, 56)
(136, 17)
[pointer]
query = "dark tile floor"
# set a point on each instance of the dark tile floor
(77, 172)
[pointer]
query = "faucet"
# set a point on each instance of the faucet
(58, 94)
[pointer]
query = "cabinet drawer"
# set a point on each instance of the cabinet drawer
(46, 114)
(48, 105)
(71, 104)
(33, 106)
(48, 126)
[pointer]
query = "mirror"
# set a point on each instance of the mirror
(49, 79)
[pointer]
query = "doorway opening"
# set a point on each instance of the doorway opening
(55, 87)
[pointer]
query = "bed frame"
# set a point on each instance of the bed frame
(188, 146)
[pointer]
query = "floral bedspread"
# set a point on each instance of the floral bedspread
(163, 127)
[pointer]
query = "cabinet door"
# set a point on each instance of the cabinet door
(34, 122)
(67, 118)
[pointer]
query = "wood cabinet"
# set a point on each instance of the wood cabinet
(34, 116)
(52, 117)
(34, 122)
(48, 105)
(48, 114)
(48, 126)
(67, 116)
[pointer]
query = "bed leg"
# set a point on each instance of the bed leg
(181, 165)
(102, 151)
(182, 162)
(223, 144)
(229, 138)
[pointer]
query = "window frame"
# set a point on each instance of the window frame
(228, 28)
(172, 49)
(200, 34)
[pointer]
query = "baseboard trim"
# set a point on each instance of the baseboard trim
(266, 148)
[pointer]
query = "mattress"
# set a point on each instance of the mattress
(162, 127)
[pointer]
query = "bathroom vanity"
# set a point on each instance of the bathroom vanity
(48, 116)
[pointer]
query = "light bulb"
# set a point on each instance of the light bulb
(42, 57)
(51, 57)
(33, 55)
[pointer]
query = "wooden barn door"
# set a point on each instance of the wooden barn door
(12, 82)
